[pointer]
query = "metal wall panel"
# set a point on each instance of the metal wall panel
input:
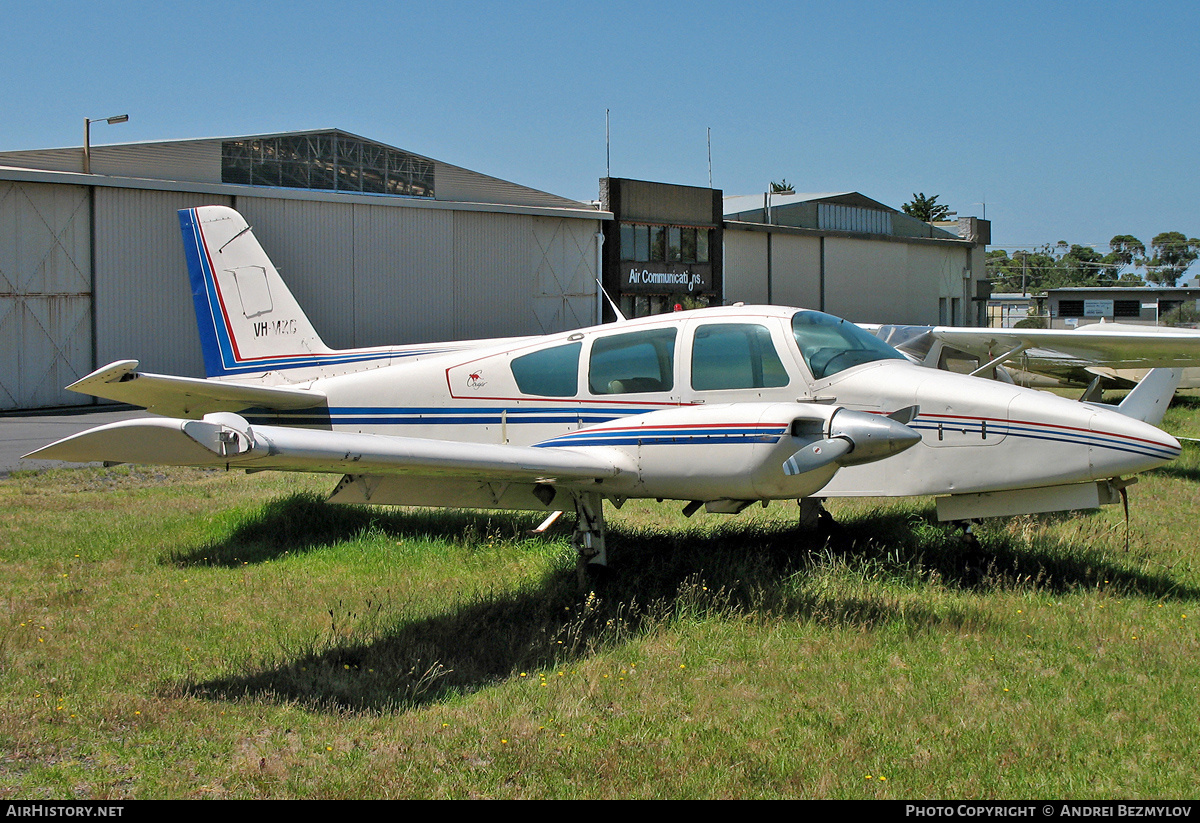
(492, 277)
(194, 160)
(795, 270)
(564, 266)
(745, 267)
(143, 298)
(933, 272)
(466, 186)
(663, 203)
(381, 275)
(870, 281)
(865, 281)
(45, 293)
(403, 259)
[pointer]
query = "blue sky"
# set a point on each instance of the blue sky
(1075, 121)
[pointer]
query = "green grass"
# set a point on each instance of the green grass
(176, 633)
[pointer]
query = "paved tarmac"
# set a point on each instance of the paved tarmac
(22, 432)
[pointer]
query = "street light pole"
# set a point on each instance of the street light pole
(87, 136)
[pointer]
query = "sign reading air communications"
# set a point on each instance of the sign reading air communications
(663, 278)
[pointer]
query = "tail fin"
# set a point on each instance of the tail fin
(1149, 399)
(249, 322)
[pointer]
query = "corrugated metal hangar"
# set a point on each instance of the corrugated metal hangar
(382, 246)
(852, 256)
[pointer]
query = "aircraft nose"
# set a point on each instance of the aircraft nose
(1123, 445)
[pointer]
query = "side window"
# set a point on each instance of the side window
(735, 356)
(550, 372)
(641, 361)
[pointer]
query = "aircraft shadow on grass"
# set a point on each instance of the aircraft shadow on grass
(733, 567)
(1190, 474)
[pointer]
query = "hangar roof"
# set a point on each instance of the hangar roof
(739, 203)
(327, 160)
(832, 211)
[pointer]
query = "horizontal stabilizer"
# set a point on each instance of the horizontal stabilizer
(188, 397)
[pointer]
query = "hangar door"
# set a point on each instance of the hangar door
(45, 293)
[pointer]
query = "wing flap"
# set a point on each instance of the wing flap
(188, 397)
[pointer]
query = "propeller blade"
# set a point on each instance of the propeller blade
(816, 455)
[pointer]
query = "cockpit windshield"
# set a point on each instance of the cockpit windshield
(830, 344)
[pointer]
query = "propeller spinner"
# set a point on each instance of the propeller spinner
(854, 437)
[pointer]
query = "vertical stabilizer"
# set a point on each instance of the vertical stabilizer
(1149, 399)
(248, 319)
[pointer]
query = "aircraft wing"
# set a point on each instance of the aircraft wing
(225, 439)
(1101, 344)
(188, 397)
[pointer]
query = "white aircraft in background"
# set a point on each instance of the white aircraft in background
(721, 408)
(1097, 355)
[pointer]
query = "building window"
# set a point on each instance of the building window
(641, 244)
(664, 244)
(853, 218)
(327, 161)
(1127, 308)
(658, 243)
(674, 244)
(1070, 308)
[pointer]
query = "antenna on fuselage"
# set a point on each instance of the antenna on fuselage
(620, 317)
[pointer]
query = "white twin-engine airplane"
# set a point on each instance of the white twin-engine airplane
(720, 407)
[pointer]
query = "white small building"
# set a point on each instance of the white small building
(1144, 305)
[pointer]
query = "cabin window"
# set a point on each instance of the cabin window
(550, 372)
(735, 356)
(830, 344)
(640, 361)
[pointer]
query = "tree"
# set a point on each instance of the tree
(926, 208)
(1026, 271)
(1173, 254)
(1125, 250)
(1083, 266)
(783, 187)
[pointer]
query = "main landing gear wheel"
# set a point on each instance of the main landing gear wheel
(591, 558)
(814, 518)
